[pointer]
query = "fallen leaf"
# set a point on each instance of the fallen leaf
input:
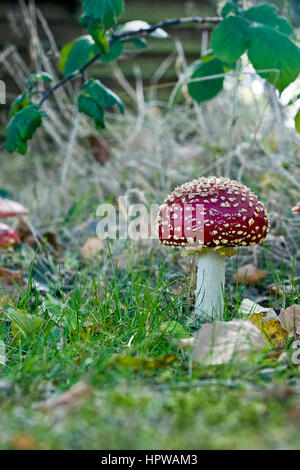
(10, 208)
(271, 328)
(10, 276)
(275, 289)
(24, 442)
(51, 239)
(290, 319)
(250, 274)
(248, 306)
(92, 247)
(99, 148)
(221, 342)
(144, 363)
(75, 396)
(8, 237)
(293, 415)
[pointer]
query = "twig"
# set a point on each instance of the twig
(127, 35)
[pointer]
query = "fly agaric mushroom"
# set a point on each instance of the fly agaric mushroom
(8, 237)
(210, 217)
(296, 209)
(8, 208)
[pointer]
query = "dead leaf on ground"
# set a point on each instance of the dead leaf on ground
(10, 276)
(248, 306)
(75, 396)
(271, 328)
(250, 274)
(100, 149)
(92, 247)
(24, 442)
(144, 363)
(221, 342)
(290, 319)
(279, 290)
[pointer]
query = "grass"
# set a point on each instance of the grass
(90, 334)
(99, 321)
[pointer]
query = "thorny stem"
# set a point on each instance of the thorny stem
(124, 36)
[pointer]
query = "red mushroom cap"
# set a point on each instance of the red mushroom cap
(296, 209)
(8, 237)
(10, 208)
(212, 212)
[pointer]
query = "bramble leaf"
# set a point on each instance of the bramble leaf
(229, 9)
(74, 55)
(266, 14)
(22, 128)
(207, 87)
(38, 77)
(21, 102)
(106, 11)
(230, 39)
(274, 56)
(94, 98)
(115, 50)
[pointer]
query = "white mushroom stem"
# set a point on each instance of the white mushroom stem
(210, 286)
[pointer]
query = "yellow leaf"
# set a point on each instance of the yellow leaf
(92, 247)
(144, 363)
(272, 330)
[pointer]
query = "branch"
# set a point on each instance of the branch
(166, 24)
(125, 35)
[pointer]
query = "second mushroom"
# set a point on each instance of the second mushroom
(211, 217)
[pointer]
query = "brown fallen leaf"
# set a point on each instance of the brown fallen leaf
(77, 394)
(92, 247)
(290, 319)
(24, 442)
(293, 415)
(10, 276)
(221, 342)
(279, 290)
(250, 274)
(271, 328)
(99, 148)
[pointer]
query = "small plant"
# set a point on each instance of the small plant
(260, 32)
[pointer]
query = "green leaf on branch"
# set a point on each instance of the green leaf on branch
(274, 56)
(297, 121)
(115, 50)
(22, 128)
(229, 9)
(140, 43)
(207, 87)
(106, 11)
(230, 39)
(266, 14)
(21, 102)
(74, 55)
(94, 98)
(34, 78)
